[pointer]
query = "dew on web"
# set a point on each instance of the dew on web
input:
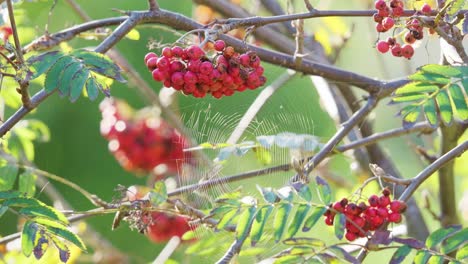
(281, 137)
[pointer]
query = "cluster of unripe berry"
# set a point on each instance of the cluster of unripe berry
(385, 18)
(195, 73)
(362, 217)
(158, 226)
(140, 142)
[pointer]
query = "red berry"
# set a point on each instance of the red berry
(398, 11)
(397, 206)
(177, 51)
(163, 63)
(166, 52)
(386, 192)
(350, 236)
(409, 38)
(150, 55)
(396, 50)
(426, 9)
(177, 78)
(380, 28)
(383, 46)
(219, 45)
(384, 201)
(244, 59)
(338, 207)
(384, 12)
(206, 67)
(383, 212)
(388, 23)
(158, 75)
(370, 212)
(380, 4)
(407, 51)
(396, 3)
(190, 77)
(194, 65)
(229, 52)
(151, 63)
(373, 200)
(377, 18)
(194, 52)
(176, 66)
(351, 209)
(394, 218)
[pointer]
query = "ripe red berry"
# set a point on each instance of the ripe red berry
(350, 236)
(394, 218)
(383, 46)
(219, 45)
(151, 63)
(206, 67)
(407, 51)
(177, 51)
(426, 9)
(383, 212)
(388, 23)
(398, 11)
(384, 201)
(409, 38)
(380, 4)
(194, 52)
(338, 207)
(163, 63)
(397, 206)
(386, 192)
(380, 28)
(177, 78)
(384, 12)
(373, 200)
(228, 52)
(396, 50)
(167, 52)
(158, 75)
(244, 59)
(377, 18)
(150, 55)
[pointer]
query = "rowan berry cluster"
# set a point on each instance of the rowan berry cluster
(194, 72)
(385, 18)
(140, 142)
(362, 217)
(158, 226)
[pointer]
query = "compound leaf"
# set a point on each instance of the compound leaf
(458, 102)
(298, 219)
(440, 235)
(54, 75)
(422, 257)
(281, 218)
(245, 222)
(28, 237)
(7, 177)
(258, 224)
(416, 87)
(44, 211)
(445, 107)
(27, 183)
(304, 241)
(316, 214)
(323, 190)
(339, 225)
(77, 83)
(462, 253)
(92, 88)
(400, 254)
(455, 241)
(430, 112)
(58, 229)
(444, 70)
(43, 62)
(99, 63)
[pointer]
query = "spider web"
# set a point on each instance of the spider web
(210, 126)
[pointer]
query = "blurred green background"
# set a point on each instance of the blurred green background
(78, 153)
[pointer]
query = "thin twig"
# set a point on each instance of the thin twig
(153, 5)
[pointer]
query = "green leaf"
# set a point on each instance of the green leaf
(339, 225)
(23, 202)
(305, 193)
(456, 5)
(92, 88)
(42, 63)
(245, 222)
(299, 217)
(268, 194)
(281, 218)
(400, 254)
(258, 225)
(304, 241)
(44, 211)
(28, 237)
(57, 229)
(455, 241)
(458, 102)
(64, 252)
(3, 210)
(409, 98)
(227, 218)
(435, 259)
(429, 78)
(410, 118)
(422, 257)
(323, 190)
(158, 195)
(439, 235)
(66, 77)
(7, 177)
(444, 70)
(289, 259)
(445, 107)
(99, 63)
(27, 183)
(462, 253)
(316, 214)
(430, 112)
(416, 87)
(54, 75)
(77, 83)
(5, 195)
(343, 254)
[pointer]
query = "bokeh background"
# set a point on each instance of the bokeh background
(77, 151)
